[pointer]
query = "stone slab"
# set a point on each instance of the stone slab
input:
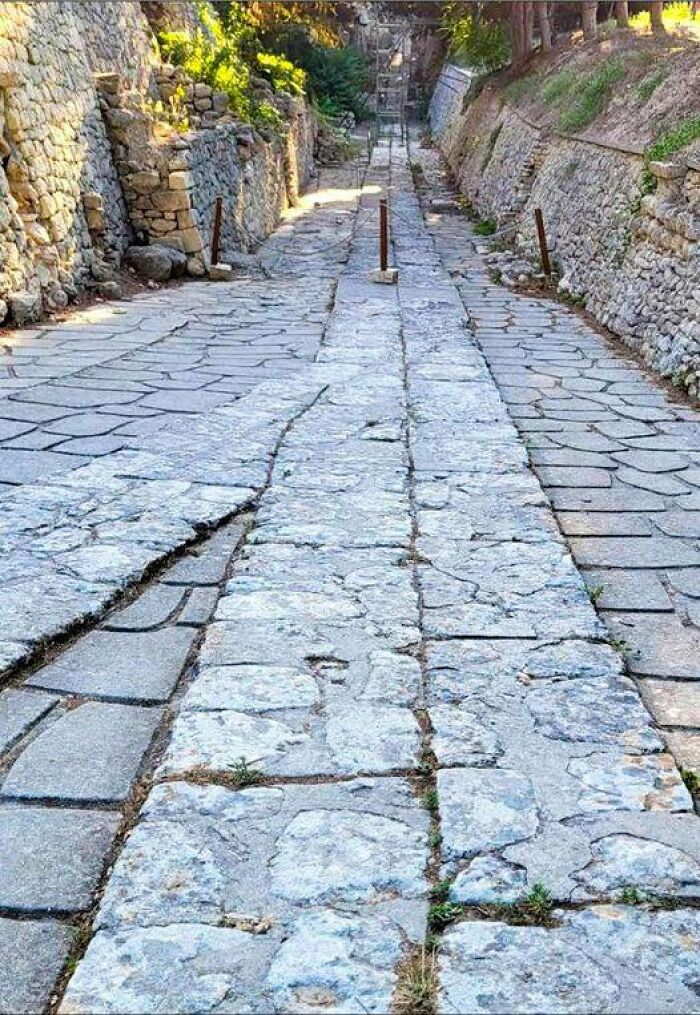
(92, 753)
(51, 859)
(32, 954)
(153, 608)
(19, 711)
(143, 666)
(604, 959)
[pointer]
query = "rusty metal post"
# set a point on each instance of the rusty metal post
(383, 234)
(542, 237)
(216, 232)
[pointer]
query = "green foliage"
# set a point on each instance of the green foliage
(691, 780)
(535, 908)
(675, 15)
(648, 85)
(242, 774)
(281, 73)
(337, 79)
(430, 800)
(666, 146)
(481, 44)
(558, 86)
(440, 914)
(485, 227)
(592, 96)
(521, 86)
(213, 54)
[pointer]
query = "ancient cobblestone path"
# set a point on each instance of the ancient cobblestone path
(403, 650)
(619, 457)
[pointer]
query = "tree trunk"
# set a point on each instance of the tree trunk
(545, 25)
(657, 16)
(622, 13)
(529, 19)
(517, 26)
(589, 21)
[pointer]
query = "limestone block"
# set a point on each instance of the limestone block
(179, 180)
(145, 181)
(220, 272)
(25, 306)
(171, 200)
(191, 240)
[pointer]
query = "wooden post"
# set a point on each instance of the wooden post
(216, 232)
(383, 235)
(542, 237)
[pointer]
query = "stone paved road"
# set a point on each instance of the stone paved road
(619, 457)
(131, 427)
(405, 654)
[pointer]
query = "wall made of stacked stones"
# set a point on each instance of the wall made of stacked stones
(633, 258)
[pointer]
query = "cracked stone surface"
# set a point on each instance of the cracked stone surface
(398, 596)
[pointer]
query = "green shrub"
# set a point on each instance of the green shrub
(281, 73)
(485, 227)
(483, 45)
(337, 79)
(591, 98)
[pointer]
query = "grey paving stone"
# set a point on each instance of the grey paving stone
(141, 667)
(91, 446)
(12, 428)
(604, 959)
(614, 500)
(92, 753)
(50, 858)
(633, 552)
(152, 608)
(681, 524)
(19, 711)
(185, 401)
(663, 483)
(600, 523)
(89, 424)
(673, 703)
(32, 953)
(685, 748)
(206, 565)
(686, 582)
(17, 466)
(587, 442)
(199, 607)
(579, 476)
(616, 589)
(83, 397)
(651, 461)
(570, 458)
(657, 644)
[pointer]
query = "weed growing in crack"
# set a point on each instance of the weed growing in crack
(434, 837)
(595, 593)
(416, 990)
(243, 775)
(440, 892)
(534, 909)
(484, 227)
(430, 800)
(442, 914)
(632, 896)
(691, 780)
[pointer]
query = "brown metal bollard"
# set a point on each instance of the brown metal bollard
(216, 232)
(542, 237)
(383, 234)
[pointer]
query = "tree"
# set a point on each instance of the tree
(657, 16)
(589, 18)
(545, 25)
(622, 13)
(517, 28)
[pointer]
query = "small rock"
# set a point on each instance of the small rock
(220, 272)
(155, 262)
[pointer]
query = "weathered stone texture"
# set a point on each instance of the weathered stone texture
(633, 258)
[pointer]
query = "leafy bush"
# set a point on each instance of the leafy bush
(213, 54)
(483, 45)
(337, 79)
(592, 96)
(558, 86)
(281, 73)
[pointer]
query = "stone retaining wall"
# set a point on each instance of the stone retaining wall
(85, 167)
(634, 258)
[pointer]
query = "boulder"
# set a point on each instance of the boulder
(156, 262)
(25, 306)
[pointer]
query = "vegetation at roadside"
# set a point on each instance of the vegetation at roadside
(295, 47)
(592, 95)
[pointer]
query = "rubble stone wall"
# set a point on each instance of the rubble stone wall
(85, 169)
(633, 257)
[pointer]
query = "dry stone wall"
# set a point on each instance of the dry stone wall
(633, 257)
(86, 169)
